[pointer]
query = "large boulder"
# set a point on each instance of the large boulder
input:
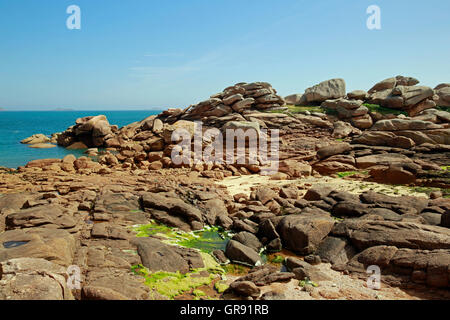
(245, 289)
(36, 139)
(330, 89)
(344, 129)
(413, 94)
(92, 131)
(401, 204)
(181, 126)
(443, 92)
(382, 159)
(332, 150)
(296, 99)
(384, 138)
(403, 124)
(248, 239)
(240, 253)
(384, 85)
(158, 256)
(335, 250)
(362, 122)
(162, 206)
(367, 233)
(357, 95)
(428, 267)
(303, 233)
(216, 213)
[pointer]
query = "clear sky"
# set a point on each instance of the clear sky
(172, 53)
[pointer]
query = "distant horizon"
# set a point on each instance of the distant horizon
(29, 109)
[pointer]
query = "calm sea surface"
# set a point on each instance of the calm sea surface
(16, 126)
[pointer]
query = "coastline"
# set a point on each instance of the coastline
(138, 225)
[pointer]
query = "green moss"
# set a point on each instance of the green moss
(172, 284)
(447, 109)
(300, 109)
(383, 110)
(277, 259)
(429, 190)
(206, 240)
(198, 293)
(154, 229)
(236, 269)
(350, 173)
(220, 286)
(307, 282)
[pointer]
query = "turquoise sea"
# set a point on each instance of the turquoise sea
(16, 126)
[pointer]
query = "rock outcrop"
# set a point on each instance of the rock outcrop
(91, 131)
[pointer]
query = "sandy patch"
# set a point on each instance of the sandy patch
(244, 184)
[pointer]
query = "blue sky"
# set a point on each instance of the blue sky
(157, 54)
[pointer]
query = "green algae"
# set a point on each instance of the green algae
(172, 284)
(198, 293)
(220, 286)
(277, 259)
(383, 110)
(206, 240)
(307, 282)
(236, 269)
(350, 173)
(153, 229)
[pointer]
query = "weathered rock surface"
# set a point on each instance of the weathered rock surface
(241, 253)
(330, 89)
(303, 233)
(33, 279)
(158, 256)
(364, 234)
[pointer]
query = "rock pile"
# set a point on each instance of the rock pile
(376, 230)
(84, 220)
(391, 165)
(240, 98)
(403, 93)
(398, 93)
(352, 111)
(443, 92)
(408, 132)
(148, 144)
(88, 132)
(326, 90)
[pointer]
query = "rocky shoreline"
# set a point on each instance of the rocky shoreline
(140, 226)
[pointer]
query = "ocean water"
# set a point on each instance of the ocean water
(16, 126)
